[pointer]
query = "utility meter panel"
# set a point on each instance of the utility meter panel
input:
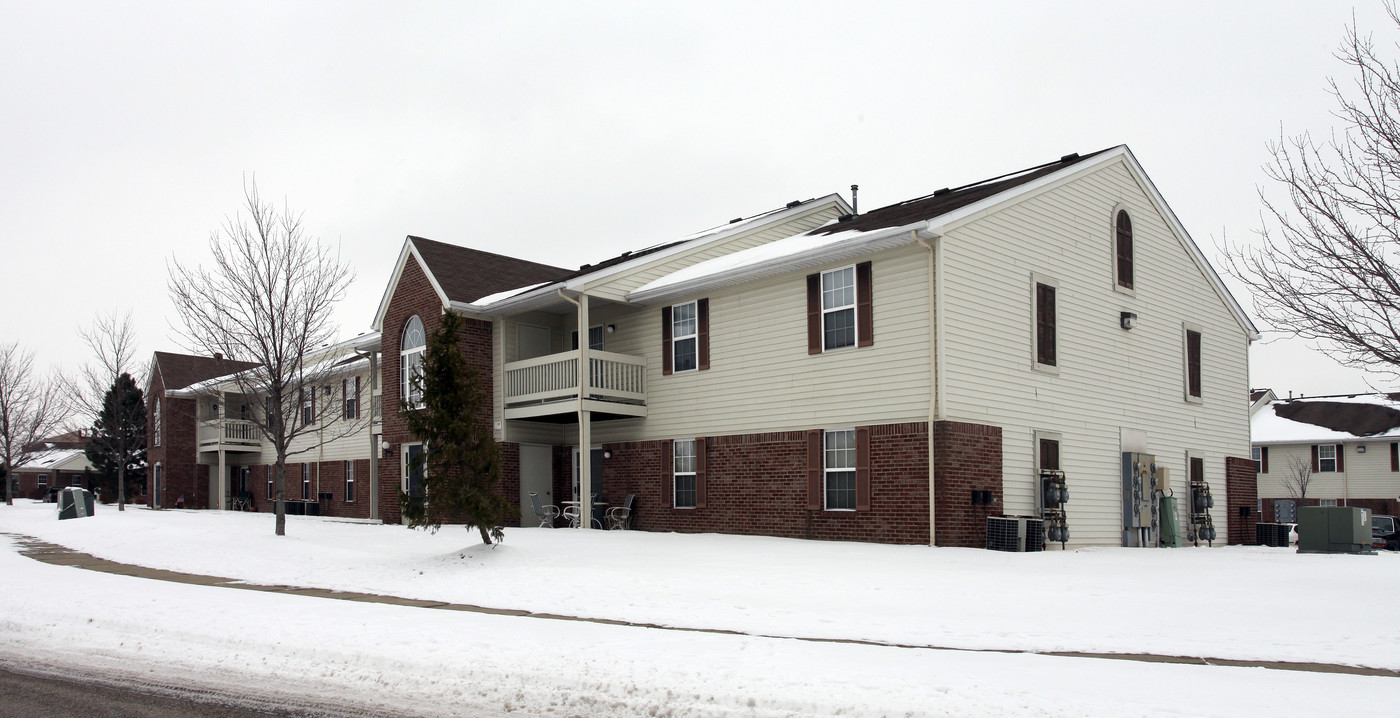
(1141, 483)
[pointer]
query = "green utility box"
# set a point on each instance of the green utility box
(1334, 529)
(1171, 531)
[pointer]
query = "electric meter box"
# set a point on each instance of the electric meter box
(1334, 529)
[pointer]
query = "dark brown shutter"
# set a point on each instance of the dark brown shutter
(1314, 457)
(665, 340)
(865, 316)
(814, 470)
(668, 476)
(1125, 250)
(1264, 458)
(700, 473)
(1045, 324)
(1193, 363)
(702, 341)
(814, 314)
(1050, 454)
(1394, 456)
(1198, 470)
(863, 468)
(1341, 466)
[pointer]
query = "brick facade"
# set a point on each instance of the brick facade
(968, 458)
(177, 455)
(1241, 497)
(327, 477)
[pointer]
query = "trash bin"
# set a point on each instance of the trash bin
(74, 503)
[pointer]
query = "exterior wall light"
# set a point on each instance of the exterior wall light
(1360, 448)
(386, 449)
(1128, 320)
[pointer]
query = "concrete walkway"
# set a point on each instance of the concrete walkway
(63, 556)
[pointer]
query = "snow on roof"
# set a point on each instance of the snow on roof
(52, 458)
(1326, 419)
(507, 294)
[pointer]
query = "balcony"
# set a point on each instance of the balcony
(229, 434)
(546, 388)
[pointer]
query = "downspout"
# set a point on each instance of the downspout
(935, 347)
(585, 443)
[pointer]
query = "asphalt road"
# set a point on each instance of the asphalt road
(28, 696)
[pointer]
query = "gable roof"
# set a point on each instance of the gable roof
(1327, 419)
(178, 371)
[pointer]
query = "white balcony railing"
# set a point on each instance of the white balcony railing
(612, 377)
(229, 432)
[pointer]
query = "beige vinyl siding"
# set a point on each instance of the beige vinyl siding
(1366, 476)
(762, 378)
(1108, 379)
(328, 433)
(616, 288)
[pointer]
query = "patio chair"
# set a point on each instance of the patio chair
(546, 513)
(620, 517)
(571, 514)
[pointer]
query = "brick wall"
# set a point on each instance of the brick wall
(967, 458)
(757, 484)
(1241, 497)
(415, 296)
(177, 455)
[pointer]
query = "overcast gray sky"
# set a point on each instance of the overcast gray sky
(569, 132)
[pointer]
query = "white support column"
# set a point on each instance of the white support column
(222, 483)
(585, 440)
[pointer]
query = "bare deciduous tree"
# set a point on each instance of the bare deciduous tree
(268, 300)
(31, 409)
(121, 431)
(1298, 477)
(1328, 268)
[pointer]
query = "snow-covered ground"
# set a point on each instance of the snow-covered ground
(1249, 603)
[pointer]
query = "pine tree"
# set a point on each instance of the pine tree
(117, 449)
(461, 462)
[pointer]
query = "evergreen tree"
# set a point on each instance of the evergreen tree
(461, 462)
(117, 449)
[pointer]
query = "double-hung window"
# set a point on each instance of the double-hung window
(155, 428)
(840, 469)
(308, 406)
(683, 470)
(411, 350)
(1260, 454)
(349, 481)
(1327, 457)
(596, 335)
(1123, 249)
(685, 337)
(306, 482)
(839, 308)
(43, 480)
(350, 389)
(271, 482)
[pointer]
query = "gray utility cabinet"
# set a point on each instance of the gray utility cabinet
(74, 503)
(1334, 529)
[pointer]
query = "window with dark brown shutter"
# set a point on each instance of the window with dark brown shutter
(668, 470)
(1049, 455)
(1198, 470)
(1263, 459)
(863, 468)
(1124, 245)
(1394, 456)
(703, 313)
(814, 470)
(1045, 324)
(1314, 459)
(814, 314)
(1341, 462)
(700, 473)
(665, 340)
(865, 315)
(1193, 363)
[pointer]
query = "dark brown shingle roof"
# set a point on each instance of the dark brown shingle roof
(181, 370)
(467, 274)
(1350, 417)
(946, 200)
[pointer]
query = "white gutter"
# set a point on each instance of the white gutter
(935, 369)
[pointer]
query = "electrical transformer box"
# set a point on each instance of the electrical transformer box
(1141, 482)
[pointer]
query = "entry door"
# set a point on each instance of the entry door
(531, 341)
(536, 474)
(595, 471)
(413, 476)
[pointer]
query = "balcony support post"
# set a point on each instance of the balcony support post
(585, 446)
(222, 483)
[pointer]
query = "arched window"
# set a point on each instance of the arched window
(1124, 245)
(410, 360)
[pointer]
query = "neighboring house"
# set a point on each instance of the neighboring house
(1328, 451)
(210, 451)
(53, 465)
(899, 375)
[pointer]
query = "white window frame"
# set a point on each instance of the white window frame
(350, 481)
(1321, 466)
(1053, 369)
(828, 470)
(677, 338)
(306, 481)
(156, 432)
(405, 386)
(1326, 502)
(852, 307)
(272, 483)
(677, 473)
(350, 396)
(1186, 363)
(1113, 249)
(43, 481)
(602, 339)
(1257, 453)
(75, 480)
(308, 406)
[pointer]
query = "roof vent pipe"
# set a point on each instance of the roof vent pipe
(855, 205)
